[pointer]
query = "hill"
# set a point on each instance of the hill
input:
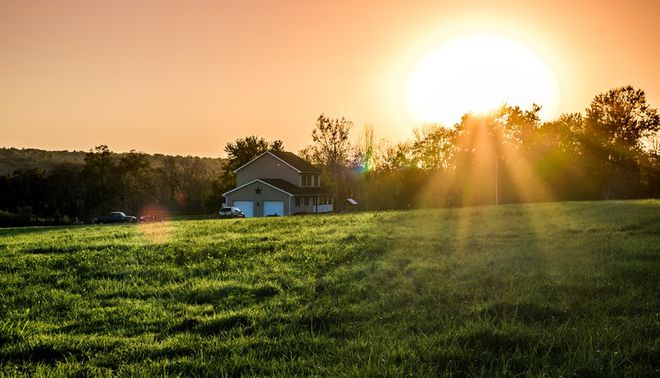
(560, 289)
(14, 159)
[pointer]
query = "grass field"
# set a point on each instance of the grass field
(556, 289)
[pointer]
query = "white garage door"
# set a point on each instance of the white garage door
(273, 208)
(246, 206)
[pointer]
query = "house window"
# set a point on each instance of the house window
(307, 180)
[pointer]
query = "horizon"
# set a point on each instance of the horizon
(185, 79)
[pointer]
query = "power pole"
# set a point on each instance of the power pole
(497, 194)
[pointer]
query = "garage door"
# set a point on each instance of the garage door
(246, 206)
(273, 208)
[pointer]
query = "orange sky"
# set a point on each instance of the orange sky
(186, 77)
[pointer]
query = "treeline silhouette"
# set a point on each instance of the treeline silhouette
(509, 155)
(65, 189)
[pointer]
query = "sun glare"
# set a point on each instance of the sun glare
(475, 74)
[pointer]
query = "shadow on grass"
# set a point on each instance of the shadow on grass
(525, 312)
(229, 294)
(213, 326)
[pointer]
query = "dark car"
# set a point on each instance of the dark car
(115, 217)
(231, 212)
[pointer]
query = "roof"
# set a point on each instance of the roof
(285, 187)
(288, 158)
(351, 201)
(297, 190)
(295, 161)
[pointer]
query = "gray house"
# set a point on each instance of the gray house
(279, 183)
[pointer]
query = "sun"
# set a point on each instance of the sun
(478, 73)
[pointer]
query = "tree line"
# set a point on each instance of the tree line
(105, 181)
(612, 150)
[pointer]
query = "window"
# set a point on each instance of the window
(298, 201)
(308, 179)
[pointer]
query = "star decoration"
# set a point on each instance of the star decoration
(257, 191)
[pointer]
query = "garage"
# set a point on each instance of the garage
(273, 208)
(246, 206)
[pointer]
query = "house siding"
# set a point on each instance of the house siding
(267, 194)
(268, 167)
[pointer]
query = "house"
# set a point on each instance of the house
(279, 183)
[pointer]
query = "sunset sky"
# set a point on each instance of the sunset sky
(186, 77)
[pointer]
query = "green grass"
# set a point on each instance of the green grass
(557, 289)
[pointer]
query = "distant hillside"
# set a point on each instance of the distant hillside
(14, 159)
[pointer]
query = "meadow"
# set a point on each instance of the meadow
(549, 289)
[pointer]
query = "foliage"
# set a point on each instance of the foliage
(105, 181)
(433, 147)
(245, 149)
(555, 289)
(14, 159)
(506, 156)
(331, 146)
(615, 123)
(331, 151)
(239, 153)
(620, 117)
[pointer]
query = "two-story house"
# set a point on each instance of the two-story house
(279, 183)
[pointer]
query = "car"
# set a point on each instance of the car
(231, 212)
(115, 217)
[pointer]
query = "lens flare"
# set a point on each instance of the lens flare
(155, 224)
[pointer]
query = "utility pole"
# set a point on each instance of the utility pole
(497, 166)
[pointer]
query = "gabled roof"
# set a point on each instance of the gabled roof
(288, 158)
(296, 161)
(252, 182)
(286, 188)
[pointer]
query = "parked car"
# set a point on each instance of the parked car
(115, 217)
(231, 212)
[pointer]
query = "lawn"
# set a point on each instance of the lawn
(555, 289)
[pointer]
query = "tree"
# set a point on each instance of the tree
(245, 149)
(620, 118)
(137, 181)
(331, 146)
(433, 147)
(616, 123)
(559, 160)
(100, 180)
(331, 150)
(364, 155)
